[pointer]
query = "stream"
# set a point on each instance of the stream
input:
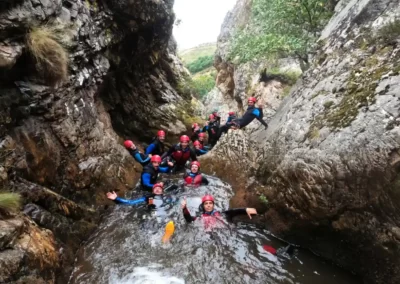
(127, 249)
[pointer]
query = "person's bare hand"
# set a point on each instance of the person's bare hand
(161, 183)
(112, 195)
(251, 211)
(183, 203)
(170, 164)
(150, 155)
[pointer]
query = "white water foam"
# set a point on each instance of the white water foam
(146, 275)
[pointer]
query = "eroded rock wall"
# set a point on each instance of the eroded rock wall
(59, 146)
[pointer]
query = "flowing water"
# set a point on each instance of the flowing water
(127, 248)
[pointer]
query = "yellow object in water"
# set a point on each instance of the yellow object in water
(169, 231)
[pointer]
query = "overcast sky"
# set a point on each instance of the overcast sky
(201, 20)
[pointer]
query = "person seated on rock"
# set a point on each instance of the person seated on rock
(194, 177)
(210, 215)
(139, 157)
(231, 117)
(156, 147)
(217, 117)
(155, 200)
(251, 113)
(150, 173)
(212, 129)
(180, 153)
(196, 130)
(198, 149)
(202, 137)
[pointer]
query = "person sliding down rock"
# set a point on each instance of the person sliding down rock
(181, 153)
(251, 113)
(198, 149)
(150, 173)
(139, 157)
(194, 177)
(157, 145)
(212, 130)
(210, 216)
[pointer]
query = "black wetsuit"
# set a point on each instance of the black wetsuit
(149, 176)
(212, 130)
(155, 148)
(139, 157)
(180, 156)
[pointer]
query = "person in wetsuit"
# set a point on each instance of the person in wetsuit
(212, 130)
(217, 117)
(139, 157)
(202, 136)
(198, 148)
(156, 147)
(210, 215)
(231, 117)
(251, 113)
(196, 130)
(181, 153)
(194, 177)
(150, 173)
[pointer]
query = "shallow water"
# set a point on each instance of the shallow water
(127, 249)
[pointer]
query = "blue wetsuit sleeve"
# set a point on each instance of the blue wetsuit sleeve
(146, 180)
(257, 113)
(130, 202)
(205, 128)
(150, 149)
(202, 151)
(138, 158)
(163, 169)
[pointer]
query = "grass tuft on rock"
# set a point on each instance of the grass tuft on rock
(9, 202)
(51, 59)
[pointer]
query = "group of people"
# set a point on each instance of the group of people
(157, 160)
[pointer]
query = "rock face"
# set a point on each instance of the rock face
(58, 147)
(330, 160)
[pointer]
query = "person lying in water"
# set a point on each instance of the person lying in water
(139, 157)
(210, 216)
(194, 177)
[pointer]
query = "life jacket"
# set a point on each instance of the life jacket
(159, 149)
(153, 176)
(210, 220)
(193, 179)
(212, 128)
(180, 156)
(201, 144)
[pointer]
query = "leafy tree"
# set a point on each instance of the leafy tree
(201, 64)
(281, 28)
(203, 83)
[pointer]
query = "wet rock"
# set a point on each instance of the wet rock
(9, 55)
(11, 261)
(10, 229)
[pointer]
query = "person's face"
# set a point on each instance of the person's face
(155, 164)
(184, 144)
(201, 138)
(194, 168)
(197, 147)
(133, 147)
(212, 119)
(158, 190)
(161, 138)
(208, 206)
(250, 103)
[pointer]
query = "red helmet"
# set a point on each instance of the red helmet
(195, 163)
(231, 113)
(158, 185)
(202, 134)
(211, 116)
(207, 198)
(160, 133)
(128, 144)
(195, 125)
(184, 138)
(252, 99)
(196, 143)
(156, 158)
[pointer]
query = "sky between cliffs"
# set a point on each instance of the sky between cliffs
(201, 21)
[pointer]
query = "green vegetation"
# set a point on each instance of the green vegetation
(188, 56)
(390, 31)
(51, 59)
(263, 199)
(201, 64)
(203, 83)
(9, 202)
(281, 28)
(289, 76)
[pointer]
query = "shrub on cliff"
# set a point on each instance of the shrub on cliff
(281, 28)
(201, 64)
(203, 83)
(50, 57)
(9, 202)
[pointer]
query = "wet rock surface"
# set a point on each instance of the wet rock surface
(59, 143)
(329, 162)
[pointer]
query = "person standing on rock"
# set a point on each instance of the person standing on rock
(157, 145)
(210, 216)
(150, 173)
(180, 153)
(194, 177)
(212, 129)
(139, 157)
(251, 113)
(198, 149)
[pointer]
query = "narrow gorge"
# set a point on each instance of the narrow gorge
(80, 77)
